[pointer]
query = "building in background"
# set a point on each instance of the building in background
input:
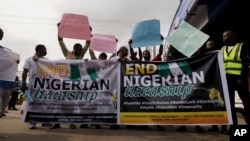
(213, 17)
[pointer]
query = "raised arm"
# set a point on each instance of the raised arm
(92, 54)
(158, 56)
(24, 77)
(132, 53)
(140, 53)
(85, 48)
(161, 47)
(64, 49)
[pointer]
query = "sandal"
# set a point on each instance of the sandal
(72, 126)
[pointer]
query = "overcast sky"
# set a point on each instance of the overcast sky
(27, 23)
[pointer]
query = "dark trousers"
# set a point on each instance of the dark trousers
(13, 100)
(243, 92)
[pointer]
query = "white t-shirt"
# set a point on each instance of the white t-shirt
(229, 48)
(31, 65)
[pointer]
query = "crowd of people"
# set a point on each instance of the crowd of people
(236, 63)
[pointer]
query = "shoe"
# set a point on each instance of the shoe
(142, 127)
(198, 129)
(181, 129)
(97, 126)
(56, 126)
(160, 128)
(131, 127)
(72, 126)
(227, 133)
(46, 125)
(84, 126)
(3, 115)
(213, 128)
(15, 109)
(32, 126)
(114, 126)
(223, 129)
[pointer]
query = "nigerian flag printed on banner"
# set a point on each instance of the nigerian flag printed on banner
(174, 68)
(185, 91)
(75, 73)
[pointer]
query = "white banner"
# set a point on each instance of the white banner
(74, 91)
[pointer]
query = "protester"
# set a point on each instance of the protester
(122, 55)
(174, 54)
(30, 67)
(236, 63)
(5, 86)
(102, 56)
(77, 53)
(14, 95)
(133, 53)
(146, 56)
(209, 46)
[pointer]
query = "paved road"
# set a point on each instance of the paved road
(13, 129)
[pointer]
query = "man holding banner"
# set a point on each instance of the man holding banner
(77, 53)
(147, 33)
(30, 67)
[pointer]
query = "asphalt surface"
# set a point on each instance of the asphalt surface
(13, 129)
